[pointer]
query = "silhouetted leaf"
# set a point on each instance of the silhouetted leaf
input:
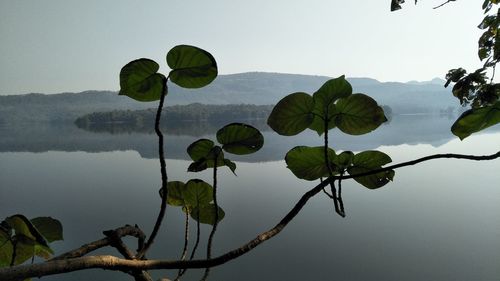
(231, 165)
(198, 166)
(329, 93)
(22, 226)
(292, 114)
(191, 66)
(6, 248)
(50, 228)
(139, 80)
(208, 161)
(200, 149)
(475, 120)
(308, 163)
(318, 124)
(344, 159)
(358, 114)
(175, 195)
(198, 193)
(206, 214)
(239, 138)
(367, 161)
(24, 249)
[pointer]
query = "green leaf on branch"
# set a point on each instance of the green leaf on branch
(206, 214)
(22, 226)
(358, 114)
(175, 195)
(51, 229)
(6, 248)
(367, 161)
(239, 138)
(292, 115)
(24, 248)
(330, 92)
(475, 120)
(200, 149)
(198, 193)
(208, 161)
(324, 102)
(344, 160)
(231, 165)
(191, 66)
(309, 163)
(139, 80)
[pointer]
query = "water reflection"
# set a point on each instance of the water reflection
(421, 227)
(424, 129)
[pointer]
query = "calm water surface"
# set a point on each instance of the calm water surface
(436, 221)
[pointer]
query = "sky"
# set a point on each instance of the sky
(55, 46)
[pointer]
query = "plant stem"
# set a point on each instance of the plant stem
(336, 200)
(164, 178)
(184, 250)
(214, 228)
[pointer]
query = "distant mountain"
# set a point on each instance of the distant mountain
(435, 81)
(258, 88)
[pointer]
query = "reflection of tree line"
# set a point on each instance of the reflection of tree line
(193, 119)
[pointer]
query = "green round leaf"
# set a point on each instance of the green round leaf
(475, 120)
(209, 160)
(139, 80)
(292, 115)
(191, 66)
(324, 102)
(24, 250)
(344, 159)
(198, 193)
(200, 149)
(175, 193)
(6, 248)
(371, 159)
(358, 114)
(206, 214)
(23, 226)
(50, 228)
(308, 163)
(367, 161)
(239, 138)
(330, 92)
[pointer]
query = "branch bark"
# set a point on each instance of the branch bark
(126, 230)
(113, 263)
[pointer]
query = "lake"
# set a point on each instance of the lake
(436, 221)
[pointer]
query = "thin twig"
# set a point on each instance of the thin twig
(338, 210)
(439, 6)
(493, 74)
(214, 228)
(185, 248)
(341, 201)
(328, 194)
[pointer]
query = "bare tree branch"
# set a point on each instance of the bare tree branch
(126, 230)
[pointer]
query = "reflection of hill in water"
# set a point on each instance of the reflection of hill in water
(402, 129)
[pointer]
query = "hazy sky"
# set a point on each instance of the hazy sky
(56, 46)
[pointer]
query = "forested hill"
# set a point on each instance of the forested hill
(177, 116)
(246, 88)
